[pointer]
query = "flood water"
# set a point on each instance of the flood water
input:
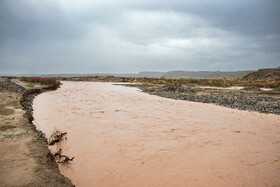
(120, 136)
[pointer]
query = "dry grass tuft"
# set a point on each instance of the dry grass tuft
(45, 81)
(6, 111)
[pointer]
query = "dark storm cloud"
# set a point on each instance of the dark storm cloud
(254, 16)
(23, 22)
(52, 36)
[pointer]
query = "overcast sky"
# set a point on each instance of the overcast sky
(122, 36)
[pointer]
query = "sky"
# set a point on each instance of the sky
(129, 36)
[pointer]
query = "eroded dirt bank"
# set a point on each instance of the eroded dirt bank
(122, 137)
(24, 159)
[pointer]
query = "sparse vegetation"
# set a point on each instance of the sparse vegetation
(31, 84)
(192, 91)
(218, 82)
(42, 80)
(225, 82)
(6, 127)
(6, 111)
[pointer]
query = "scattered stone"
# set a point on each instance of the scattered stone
(253, 88)
(238, 99)
(277, 89)
(10, 86)
(42, 136)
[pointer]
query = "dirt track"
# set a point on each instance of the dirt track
(122, 137)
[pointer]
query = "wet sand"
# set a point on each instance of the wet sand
(120, 136)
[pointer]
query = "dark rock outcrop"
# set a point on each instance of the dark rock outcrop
(10, 86)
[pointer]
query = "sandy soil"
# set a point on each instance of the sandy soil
(23, 157)
(122, 137)
(13, 140)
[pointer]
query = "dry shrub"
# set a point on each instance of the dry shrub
(172, 87)
(45, 81)
(194, 81)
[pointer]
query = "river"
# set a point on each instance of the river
(121, 136)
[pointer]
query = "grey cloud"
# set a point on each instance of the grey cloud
(129, 36)
(255, 16)
(21, 21)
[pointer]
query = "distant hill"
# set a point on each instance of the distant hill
(272, 74)
(149, 74)
(194, 74)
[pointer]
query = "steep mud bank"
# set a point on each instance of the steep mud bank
(120, 136)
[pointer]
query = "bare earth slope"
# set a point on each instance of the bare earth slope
(122, 137)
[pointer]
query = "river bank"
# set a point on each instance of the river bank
(24, 157)
(250, 99)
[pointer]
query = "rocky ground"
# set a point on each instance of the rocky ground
(252, 99)
(6, 85)
(24, 157)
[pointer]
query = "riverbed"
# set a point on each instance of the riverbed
(121, 136)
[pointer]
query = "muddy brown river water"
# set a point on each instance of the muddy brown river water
(120, 136)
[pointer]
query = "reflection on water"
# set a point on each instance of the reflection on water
(122, 137)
